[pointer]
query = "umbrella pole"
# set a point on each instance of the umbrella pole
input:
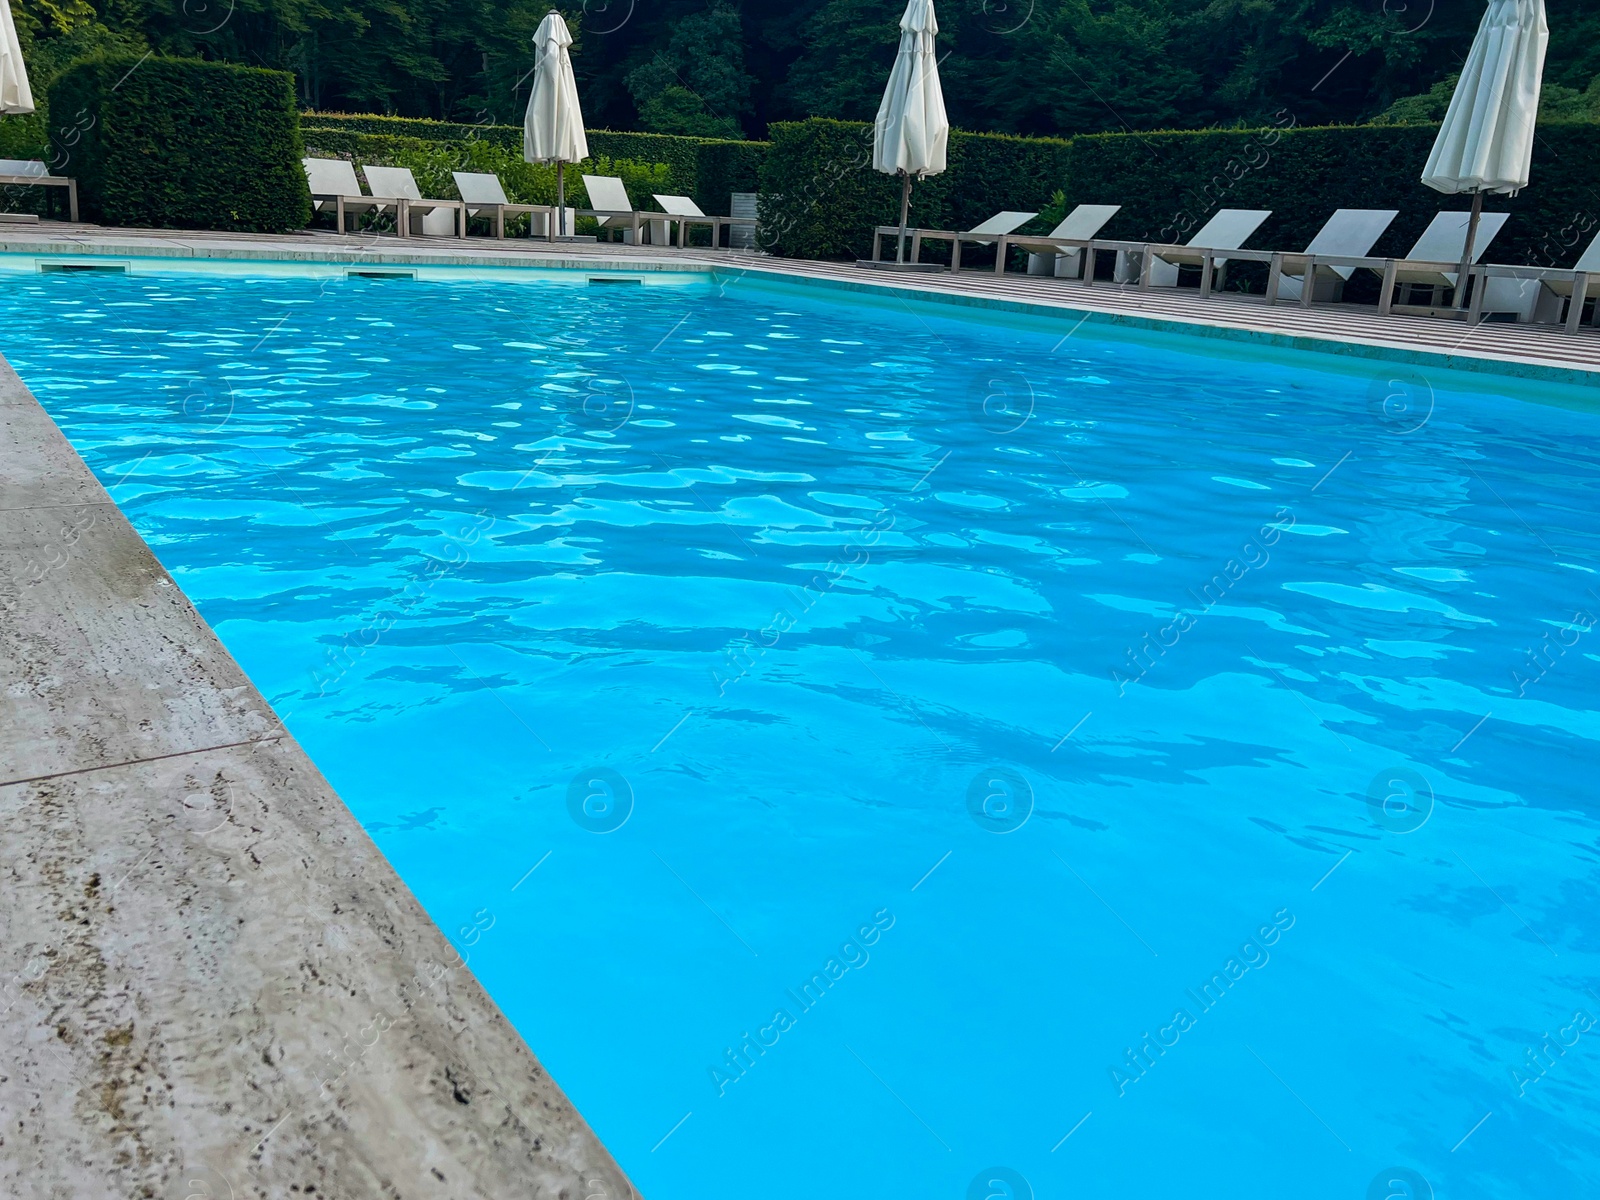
(905, 211)
(561, 201)
(1466, 256)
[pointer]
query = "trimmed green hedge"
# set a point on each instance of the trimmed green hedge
(180, 144)
(1169, 184)
(413, 127)
(820, 197)
(707, 169)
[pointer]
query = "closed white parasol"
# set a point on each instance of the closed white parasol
(1486, 142)
(912, 132)
(552, 130)
(15, 94)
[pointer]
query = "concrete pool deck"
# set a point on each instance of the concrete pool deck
(213, 983)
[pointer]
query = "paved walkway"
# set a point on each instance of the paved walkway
(1527, 350)
(211, 982)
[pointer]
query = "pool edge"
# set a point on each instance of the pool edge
(195, 913)
(1347, 348)
(1210, 320)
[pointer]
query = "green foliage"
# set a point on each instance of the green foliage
(1040, 67)
(1557, 102)
(1427, 109)
(677, 110)
(722, 168)
(1171, 183)
(820, 197)
(696, 84)
(850, 50)
(707, 170)
(180, 143)
(52, 35)
(433, 131)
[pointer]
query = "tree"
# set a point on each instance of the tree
(696, 83)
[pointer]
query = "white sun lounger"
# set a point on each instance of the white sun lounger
(687, 213)
(1546, 295)
(992, 230)
(1349, 233)
(1229, 229)
(18, 172)
(334, 186)
(1082, 224)
(1584, 284)
(684, 212)
(987, 233)
(449, 217)
(609, 204)
(1442, 242)
(1588, 264)
(1586, 271)
(485, 196)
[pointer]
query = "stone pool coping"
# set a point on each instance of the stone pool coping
(214, 983)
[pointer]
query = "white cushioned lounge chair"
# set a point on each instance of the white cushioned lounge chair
(1229, 229)
(485, 196)
(334, 187)
(447, 218)
(1349, 233)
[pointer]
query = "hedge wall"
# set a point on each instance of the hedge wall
(415, 127)
(705, 168)
(1169, 184)
(180, 144)
(820, 196)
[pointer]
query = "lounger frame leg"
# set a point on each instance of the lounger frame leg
(1000, 250)
(1208, 268)
(338, 208)
(1274, 278)
(1308, 284)
(1475, 312)
(72, 199)
(1580, 293)
(1391, 268)
(1088, 263)
(955, 256)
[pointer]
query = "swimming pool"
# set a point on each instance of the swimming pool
(871, 749)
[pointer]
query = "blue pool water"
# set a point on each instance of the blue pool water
(871, 752)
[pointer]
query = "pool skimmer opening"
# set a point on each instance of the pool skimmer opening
(62, 268)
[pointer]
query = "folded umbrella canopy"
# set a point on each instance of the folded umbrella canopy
(1486, 142)
(552, 129)
(912, 132)
(15, 94)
